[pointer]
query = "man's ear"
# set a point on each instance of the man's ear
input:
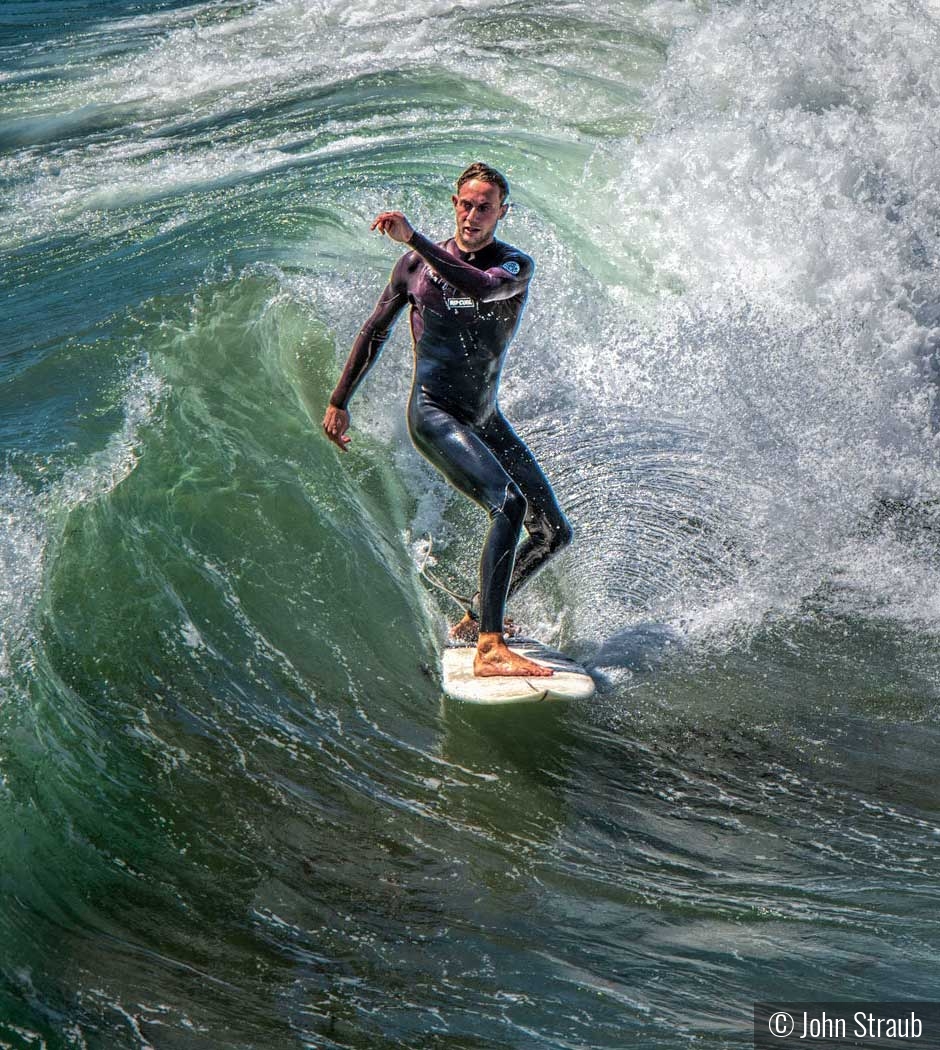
(454, 199)
(503, 210)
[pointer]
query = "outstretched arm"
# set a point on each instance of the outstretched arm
(363, 355)
(483, 285)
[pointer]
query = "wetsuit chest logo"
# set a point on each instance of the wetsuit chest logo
(454, 302)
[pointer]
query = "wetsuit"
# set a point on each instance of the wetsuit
(465, 309)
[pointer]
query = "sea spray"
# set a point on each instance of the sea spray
(235, 810)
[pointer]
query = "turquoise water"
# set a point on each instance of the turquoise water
(236, 812)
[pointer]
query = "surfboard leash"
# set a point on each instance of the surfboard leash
(465, 603)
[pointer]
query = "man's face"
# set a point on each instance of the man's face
(478, 210)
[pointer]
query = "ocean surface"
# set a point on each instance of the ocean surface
(235, 811)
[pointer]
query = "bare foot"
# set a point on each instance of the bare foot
(468, 630)
(494, 658)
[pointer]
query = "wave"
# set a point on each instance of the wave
(233, 806)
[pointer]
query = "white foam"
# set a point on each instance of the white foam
(786, 199)
(22, 542)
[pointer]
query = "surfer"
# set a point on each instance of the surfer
(466, 296)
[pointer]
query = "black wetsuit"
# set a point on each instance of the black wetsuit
(465, 309)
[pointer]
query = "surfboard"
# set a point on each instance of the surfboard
(569, 682)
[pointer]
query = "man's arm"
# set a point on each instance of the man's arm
(364, 353)
(483, 285)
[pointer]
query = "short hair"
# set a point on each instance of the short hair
(485, 173)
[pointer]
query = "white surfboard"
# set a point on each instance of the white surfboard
(569, 682)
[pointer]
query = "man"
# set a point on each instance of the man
(466, 296)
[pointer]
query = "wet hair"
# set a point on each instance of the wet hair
(485, 173)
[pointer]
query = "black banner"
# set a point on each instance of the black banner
(833, 1025)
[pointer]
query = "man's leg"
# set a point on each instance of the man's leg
(549, 531)
(459, 454)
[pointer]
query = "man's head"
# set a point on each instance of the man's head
(479, 204)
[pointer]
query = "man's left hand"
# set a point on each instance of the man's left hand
(394, 224)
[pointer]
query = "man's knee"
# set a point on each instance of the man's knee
(513, 504)
(550, 532)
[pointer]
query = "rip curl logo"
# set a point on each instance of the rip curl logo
(512, 266)
(460, 304)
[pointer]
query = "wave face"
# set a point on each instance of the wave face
(235, 811)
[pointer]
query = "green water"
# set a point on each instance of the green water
(236, 810)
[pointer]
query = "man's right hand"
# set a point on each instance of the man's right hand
(394, 224)
(335, 425)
